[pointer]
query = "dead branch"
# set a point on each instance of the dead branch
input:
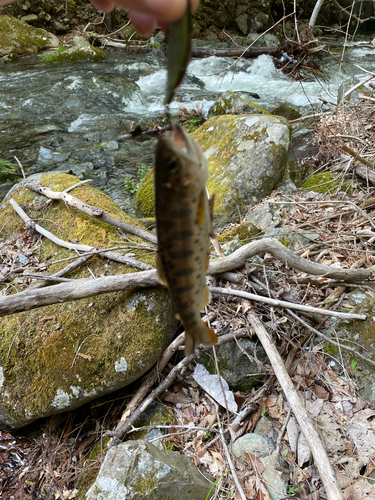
(322, 462)
(90, 287)
(241, 52)
(95, 212)
(283, 303)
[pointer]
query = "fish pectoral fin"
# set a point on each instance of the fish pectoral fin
(201, 211)
(160, 271)
(177, 316)
(206, 298)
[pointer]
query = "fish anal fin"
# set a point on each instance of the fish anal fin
(160, 271)
(200, 335)
(201, 208)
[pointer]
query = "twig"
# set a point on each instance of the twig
(356, 155)
(226, 450)
(21, 167)
(75, 246)
(322, 462)
(95, 212)
(119, 433)
(289, 305)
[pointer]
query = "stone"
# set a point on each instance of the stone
(20, 38)
(60, 27)
(30, 19)
(86, 348)
(136, 469)
(263, 449)
(235, 103)
(239, 367)
(80, 41)
(264, 217)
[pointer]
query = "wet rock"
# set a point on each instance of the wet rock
(235, 103)
(77, 53)
(137, 469)
(20, 38)
(263, 449)
(60, 27)
(70, 353)
(247, 157)
(10, 58)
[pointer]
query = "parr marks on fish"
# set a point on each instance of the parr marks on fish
(183, 226)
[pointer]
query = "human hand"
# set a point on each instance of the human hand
(145, 14)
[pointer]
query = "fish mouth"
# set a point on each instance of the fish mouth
(179, 139)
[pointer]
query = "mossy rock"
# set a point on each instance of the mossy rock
(287, 112)
(238, 236)
(145, 197)
(247, 157)
(74, 54)
(60, 356)
(18, 37)
(236, 103)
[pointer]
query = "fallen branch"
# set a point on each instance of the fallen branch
(95, 212)
(90, 287)
(322, 462)
(288, 305)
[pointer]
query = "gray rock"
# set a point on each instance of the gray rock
(21, 38)
(80, 41)
(112, 145)
(30, 19)
(60, 27)
(289, 236)
(239, 366)
(263, 449)
(264, 217)
(247, 157)
(137, 470)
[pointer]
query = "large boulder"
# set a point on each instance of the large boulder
(58, 357)
(247, 158)
(18, 37)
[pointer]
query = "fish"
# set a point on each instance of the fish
(178, 54)
(183, 226)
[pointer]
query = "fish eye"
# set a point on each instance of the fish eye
(172, 164)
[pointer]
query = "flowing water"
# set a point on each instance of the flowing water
(73, 117)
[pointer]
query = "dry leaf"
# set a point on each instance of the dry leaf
(321, 392)
(361, 490)
(84, 356)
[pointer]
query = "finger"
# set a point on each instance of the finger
(143, 23)
(165, 11)
(103, 5)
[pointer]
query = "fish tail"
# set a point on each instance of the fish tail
(200, 335)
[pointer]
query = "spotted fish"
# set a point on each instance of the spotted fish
(184, 225)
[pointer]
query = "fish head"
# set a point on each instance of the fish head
(180, 163)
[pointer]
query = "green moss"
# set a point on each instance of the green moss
(74, 54)
(324, 182)
(145, 196)
(287, 112)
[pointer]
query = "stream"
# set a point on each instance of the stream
(75, 117)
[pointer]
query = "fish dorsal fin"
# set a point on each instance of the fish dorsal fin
(201, 211)
(160, 271)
